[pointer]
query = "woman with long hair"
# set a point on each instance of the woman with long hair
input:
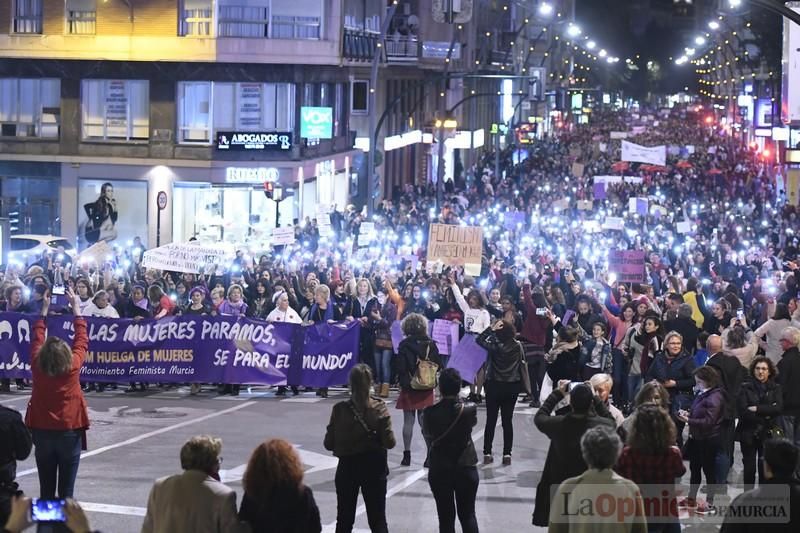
(641, 343)
(737, 343)
(506, 375)
(102, 215)
(359, 434)
(651, 460)
(416, 347)
(380, 320)
(261, 302)
(772, 330)
(57, 414)
(275, 498)
(760, 403)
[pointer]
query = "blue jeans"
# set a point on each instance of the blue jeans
(383, 365)
(58, 454)
(634, 384)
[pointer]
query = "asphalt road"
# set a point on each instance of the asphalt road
(135, 439)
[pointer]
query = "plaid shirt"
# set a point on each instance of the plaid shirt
(646, 469)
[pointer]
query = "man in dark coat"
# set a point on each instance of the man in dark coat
(686, 326)
(564, 457)
(733, 374)
(789, 377)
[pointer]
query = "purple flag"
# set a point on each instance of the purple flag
(467, 358)
(397, 335)
(599, 191)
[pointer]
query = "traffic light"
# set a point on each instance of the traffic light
(269, 189)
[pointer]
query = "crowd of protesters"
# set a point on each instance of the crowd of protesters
(707, 340)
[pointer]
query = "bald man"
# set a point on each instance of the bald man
(733, 374)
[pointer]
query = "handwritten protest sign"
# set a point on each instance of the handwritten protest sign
(684, 226)
(189, 257)
(638, 206)
(585, 205)
(618, 135)
(577, 169)
(282, 236)
(445, 335)
(627, 264)
(455, 245)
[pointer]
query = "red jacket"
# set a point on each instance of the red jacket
(57, 403)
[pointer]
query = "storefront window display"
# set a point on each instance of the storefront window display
(112, 211)
(233, 214)
(31, 204)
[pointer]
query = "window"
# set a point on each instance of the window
(288, 27)
(64, 243)
(115, 109)
(20, 243)
(194, 112)
(243, 21)
(81, 17)
(196, 18)
(359, 97)
(206, 107)
(27, 16)
(30, 108)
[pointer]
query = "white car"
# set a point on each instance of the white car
(27, 249)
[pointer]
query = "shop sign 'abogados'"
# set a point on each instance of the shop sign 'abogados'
(275, 141)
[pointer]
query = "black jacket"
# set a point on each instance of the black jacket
(733, 374)
(15, 443)
(410, 350)
(679, 369)
(688, 330)
(789, 377)
(564, 457)
(455, 448)
(504, 362)
(769, 405)
(284, 511)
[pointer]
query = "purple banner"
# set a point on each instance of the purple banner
(467, 358)
(188, 349)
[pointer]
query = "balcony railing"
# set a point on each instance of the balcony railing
(287, 27)
(402, 48)
(359, 45)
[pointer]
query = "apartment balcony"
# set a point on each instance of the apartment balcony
(402, 49)
(359, 45)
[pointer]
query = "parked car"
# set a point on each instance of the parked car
(27, 249)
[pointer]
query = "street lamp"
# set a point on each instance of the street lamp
(735, 3)
(714, 25)
(602, 53)
(591, 45)
(573, 30)
(700, 40)
(545, 9)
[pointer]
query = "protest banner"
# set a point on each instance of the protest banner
(638, 130)
(445, 334)
(472, 269)
(283, 236)
(188, 257)
(467, 358)
(654, 155)
(627, 264)
(618, 135)
(455, 245)
(194, 349)
(603, 147)
(614, 223)
(684, 226)
(96, 254)
(577, 169)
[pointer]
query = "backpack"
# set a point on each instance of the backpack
(426, 373)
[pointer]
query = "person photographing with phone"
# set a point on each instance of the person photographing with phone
(26, 512)
(57, 414)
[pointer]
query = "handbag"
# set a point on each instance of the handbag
(772, 431)
(426, 373)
